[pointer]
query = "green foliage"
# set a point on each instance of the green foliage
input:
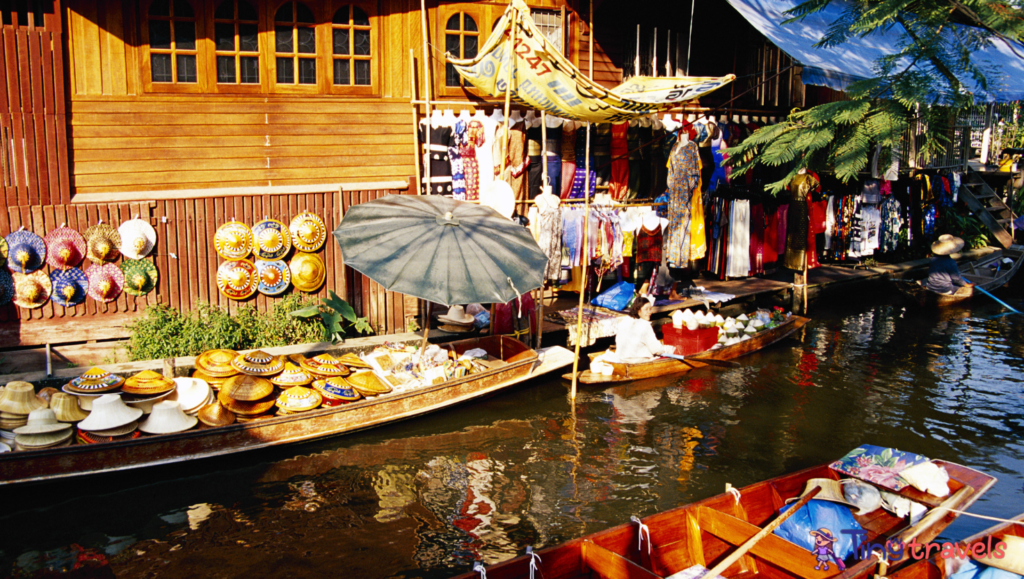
(163, 332)
(965, 226)
(337, 316)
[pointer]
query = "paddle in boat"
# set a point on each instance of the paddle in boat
(988, 273)
(731, 535)
(509, 363)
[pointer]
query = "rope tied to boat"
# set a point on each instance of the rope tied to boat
(534, 559)
(641, 529)
(735, 492)
(479, 568)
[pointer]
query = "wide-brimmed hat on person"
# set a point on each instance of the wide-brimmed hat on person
(947, 244)
(233, 240)
(275, 277)
(70, 287)
(138, 238)
(102, 242)
(457, 315)
(31, 290)
(65, 248)
(106, 281)
(140, 276)
(308, 232)
(270, 240)
(308, 272)
(110, 412)
(26, 251)
(237, 279)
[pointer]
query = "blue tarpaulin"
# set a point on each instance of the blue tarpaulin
(836, 67)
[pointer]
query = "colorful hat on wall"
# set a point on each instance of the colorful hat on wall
(308, 272)
(274, 277)
(105, 282)
(65, 248)
(70, 286)
(216, 363)
(26, 251)
(233, 240)
(308, 232)
(31, 290)
(140, 276)
(270, 240)
(138, 238)
(258, 363)
(3, 251)
(102, 242)
(95, 381)
(237, 279)
(6, 287)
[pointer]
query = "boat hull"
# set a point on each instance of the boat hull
(987, 273)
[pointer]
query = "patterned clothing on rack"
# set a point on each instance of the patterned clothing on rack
(568, 155)
(459, 140)
(436, 142)
(683, 178)
(515, 158)
(470, 166)
(738, 253)
(648, 244)
(550, 239)
(580, 181)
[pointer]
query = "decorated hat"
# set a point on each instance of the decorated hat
(352, 360)
(215, 414)
(65, 248)
(138, 238)
(299, 399)
(3, 251)
(308, 272)
(42, 421)
(66, 408)
(367, 383)
(258, 363)
(105, 282)
(243, 408)
(20, 398)
(324, 365)
(95, 381)
(6, 287)
(947, 244)
(147, 383)
(292, 376)
(270, 240)
(70, 286)
(216, 363)
(247, 388)
(167, 417)
(102, 242)
(237, 279)
(274, 277)
(26, 251)
(233, 240)
(31, 290)
(336, 389)
(308, 232)
(110, 412)
(140, 276)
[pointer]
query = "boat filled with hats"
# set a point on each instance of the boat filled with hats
(102, 420)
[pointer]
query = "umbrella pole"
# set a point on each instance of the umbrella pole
(510, 62)
(415, 122)
(583, 287)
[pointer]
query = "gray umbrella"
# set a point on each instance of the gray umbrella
(441, 250)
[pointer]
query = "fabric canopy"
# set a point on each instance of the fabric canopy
(544, 80)
(838, 66)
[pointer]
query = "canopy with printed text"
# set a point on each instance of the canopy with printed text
(543, 79)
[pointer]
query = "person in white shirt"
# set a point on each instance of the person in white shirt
(636, 340)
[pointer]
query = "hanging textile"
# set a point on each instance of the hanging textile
(459, 138)
(579, 184)
(549, 228)
(470, 165)
(515, 159)
(634, 157)
(619, 182)
(683, 177)
(568, 155)
(738, 252)
(757, 223)
(797, 222)
(436, 141)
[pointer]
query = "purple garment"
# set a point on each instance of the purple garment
(781, 247)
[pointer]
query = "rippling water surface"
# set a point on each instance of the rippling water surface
(428, 497)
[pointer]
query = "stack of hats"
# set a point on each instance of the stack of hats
(298, 399)
(192, 394)
(42, 431)
(166, 418)
(66, 408)
(367, 383)
(248, 397)
(110, 419)
(336, 391)
(214, 367)
(258, 363)
(456, 320)
(17, 402)
(215, 414)
(94, 383)
(324, 366)
(146, 389)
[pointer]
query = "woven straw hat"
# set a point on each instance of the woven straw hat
(353, 360)
(118, 430)
(43, 440)
(105, 282)
(65, 247)
(308, 272)
(258, 363)
(216, 364)
(274, 276)
(458, 316)
(66, 408)
(233, 240)
(1013, 555)
(947, 244)
(215, 414)
(192, 394)
(42, 421)
(146, 402)
(20, 398)
(292, 375)
(31, 290)
(308, 232)
(336, 389)
(140, 276)
(7, 290)
(26, 251)
(247, 388)
(270, 240)
(215, 382)
(147, 383)
(237, 279)
(138, 238)
(324, 365)
(241, 408)
(367, 383)
(167, 417)
(70, 286)
(109, 412)
(102, 242)
(95, 381)
(299, 399)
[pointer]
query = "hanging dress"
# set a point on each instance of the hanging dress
(470, 165)
(683, 178)
(568, 154)
(579, 183)
(515, 158)
(436, 141)
(619, 182)
(550, 239)
(797, 222)
(455, 158)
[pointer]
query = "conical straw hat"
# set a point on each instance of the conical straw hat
(241, 408)
(66, 408)
(947, 244)
(353, 360)
(42, 421)
(140, 276)
(94, 381)
(70, 287)
(275, 277)
(217, 363)
(215, 382)
(299, 399)
(324, 365)
(258, 363)
(215, 414)
(32, 290)
(292, 376)
(336, 389)
(308, 272)
(65, 248)
(147, 383)
(26, 251)
(247, 388)
(105, 282)
(20, 398)
(237, 279)
(167, 417)
(270, 240)
(308, 232)
(367, 383)
(109, 411)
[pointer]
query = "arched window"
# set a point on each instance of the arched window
(461, 39)
(352, 48)
(236, 42)
(295, 44)
(172, 42)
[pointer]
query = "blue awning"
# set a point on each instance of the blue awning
(837, 67)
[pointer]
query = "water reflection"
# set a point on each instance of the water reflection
(482, 482)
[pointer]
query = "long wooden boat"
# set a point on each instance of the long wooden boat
(515, 363)
(987, 273)
(934, 566)
(706, 532)
(667, 366)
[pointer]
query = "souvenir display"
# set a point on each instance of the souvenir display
(245, 409)
(138, 238)
(292, 376)
(324, 365)
(42, 421)
(7, 290)
(299, 399)
(20, 398)
(31, 290)
(110, 412)
(308, 272)
(102, 242)
(215, 414)
(457, 315)
(352, 360)
(10, 421)
(258, 363)
(42, 431)
(26, 251)
(46, 394)
(233, 240)
(237, 279)
(308, 232)
(335, 391)
(215, 364)
(65, 248)
(167, 417)
(95, 381)
(70, 286)
(367, 383)
(3, 251)
(105, 282)
(84, 437)
(274, 277)
(247, 388)
(270, 240)
(147, 383)
(66, 408)
(140, 276)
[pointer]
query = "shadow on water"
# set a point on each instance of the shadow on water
(429, 496)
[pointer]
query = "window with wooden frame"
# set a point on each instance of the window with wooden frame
(353, 50)
(295, 46)
(461, 40)
(236, 43)
(171, 59)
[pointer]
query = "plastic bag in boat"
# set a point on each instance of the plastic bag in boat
(616, 297)
(817, 515)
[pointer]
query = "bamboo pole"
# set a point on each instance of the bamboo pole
(509, 64)
(426, 90)
(803, 310)
(417, 154)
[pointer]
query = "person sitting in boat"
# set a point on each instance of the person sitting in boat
(943, 273)
(635, 339)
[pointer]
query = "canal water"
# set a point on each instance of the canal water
(428, 497)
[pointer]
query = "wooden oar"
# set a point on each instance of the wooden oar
(735, 556)
(998, 301)
(708, 361)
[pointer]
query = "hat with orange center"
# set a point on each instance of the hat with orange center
(26, 251)
(271, 240)
(140, 276)
(233, 240)
(102, 243)
(274, 277)
(138, 238)
(70, 286)
(237, 279)
(308, 272)
(65, 248)
(308, 232)
(105, 282)
(31, 290)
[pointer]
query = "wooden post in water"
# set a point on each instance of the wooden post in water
(803, 310)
